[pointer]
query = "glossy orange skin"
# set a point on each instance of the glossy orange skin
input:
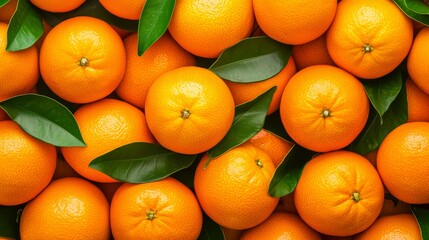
(54, 6)
(128, 9)
(418, 102)
(417, 61)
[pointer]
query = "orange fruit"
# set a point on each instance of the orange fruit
(105, 125)
(128, 9)
(233, 188)
(312, 53)
(27, 164)
(402, 162)
(360, 37)
(294, 22)
(7, 11)
(53, 6)
(324, 108)
(400, 226)
(165, 209)
(417, 64)
(418, 102)
(244, 92)
(63, 169)
(141, 71)
(207, 27)
(69, 208)
(189, 109)
(339, 193)
(82, 59)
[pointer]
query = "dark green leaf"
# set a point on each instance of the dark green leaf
(289, 171)
(25, 27)
(421, 18)
(186, 176)
(9, 221)
(417, 6)
(153, 22)
(141, 162)
(422, 215)
(211, 230)
(273, 123)
(248, 120)
(44, 118)
(3, 2)
(251, 60)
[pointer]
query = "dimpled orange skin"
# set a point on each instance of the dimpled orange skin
(128, 9)
(418, 62)
(418, 102)
(312, 53)
(54, 6)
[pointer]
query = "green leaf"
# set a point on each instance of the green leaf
(248, 120)
(211, 230)
(44, 118)
(252, 59)
(3, 2)
(421, 18)
(25, 27)
(289, 171)
(153, 22)
(417, 6)
(422, 215)
(141, 162)
(9, 221)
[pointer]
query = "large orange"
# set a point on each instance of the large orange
(189, 109)
(360, 37)
(417, 61)
(324, 108)
(105, 125)
(82, 59)
(69, 208)
(53, 6)
(165, 209)
(141, 71)
(312, 53)
(27, 164)
(207, 27)
(418, 102)
(7, 11)
(294, 22)
(402, 162)
(128, 9)
(233, 188)
(339, 193)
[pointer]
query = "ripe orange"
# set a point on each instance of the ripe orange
(339, 193)
(244, 92)
(82, 59)
(105, 125)
(189, 109)
(418, 102)
(128, 9)
(312, 53)
(324, 108)
(233, 188)
(417, 61)
(360, 37)
(207, 27)
(164, 209)
(164, 55)
(7, 11)
(27, 164)
(294, 22)
(69, 208)
(54, 6)
(402, 162)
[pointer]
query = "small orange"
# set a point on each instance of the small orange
(7, 11)
(417, 61)
(63, 169)
(312, 53)
(418, 102)
(53, 6)
(128, 9)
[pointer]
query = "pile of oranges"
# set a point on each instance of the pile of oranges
(167, 97)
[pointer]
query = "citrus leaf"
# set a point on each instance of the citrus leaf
(3, 2)
(417, 6)
(9, 221)
(153, 22)
(422, 215)
(248, 120)
(25, 27)
(141, 162)
(289, 171)
(273, 123)
(210, 230)
(44, 118)
(252, 59)
(421, 18)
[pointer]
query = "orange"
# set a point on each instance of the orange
(324, 108)
(281, 225)
(63, 169)
(294, 22)
(207, 27)
(27, 164)
(82, 59)
(128, 9)
(418, 102)
(69, 208)
(392, 208)
(400, 226)
(189, 109)
(244, 92)
(233, 188)
(417, 61)
(105, 125)
(141, 71)
(402, 162)
(360, 37)
(7, 11)
(312, 53)
(165, 209)
(339, 193)
(53, 6)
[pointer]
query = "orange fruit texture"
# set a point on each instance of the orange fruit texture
(233, 188)
(189, 109)
(360, 37)
(141, 71)
(402, 162)
(7, 11)
(324, 108)
(207, 27)
(53, 6)
(339, 193)
(69, 208)
(294, 22)
(82, 59)
(27, 164)
(105, 125)
(418, 102)
(164, 209)
(312, 53)
(418, 61)
(128, 9)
